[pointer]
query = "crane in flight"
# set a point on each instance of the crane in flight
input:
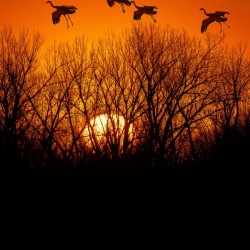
(217, 16)
(64, 10)
(111, 3)
(148, 10)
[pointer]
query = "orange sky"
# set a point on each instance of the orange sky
(94, 17)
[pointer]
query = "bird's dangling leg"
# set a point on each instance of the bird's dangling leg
(227, 25)
(66, 21)
(123, 10)
(70, 20)
(220, 27)
(153, 18)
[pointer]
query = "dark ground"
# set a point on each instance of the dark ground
(204, 205)
(213, 180)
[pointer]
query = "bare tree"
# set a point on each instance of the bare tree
(174, 71)
(165, 97)
(121, 94)
(232, 116)
(18, 64)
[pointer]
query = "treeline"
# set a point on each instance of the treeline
(184, 101)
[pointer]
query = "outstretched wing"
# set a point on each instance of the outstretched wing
(138, 14)
(56, 16)
(128, 3)
(221, 13)
(205, 24)
(111, 2)
(70, 7)
(149, 8)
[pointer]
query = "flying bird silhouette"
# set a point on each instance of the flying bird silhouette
(148, 10)
(217, 16)
(64, 10)
(111, 3)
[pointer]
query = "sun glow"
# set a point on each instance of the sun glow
(107, 129)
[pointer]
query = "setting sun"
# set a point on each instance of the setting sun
(106, 129)
(157, 84)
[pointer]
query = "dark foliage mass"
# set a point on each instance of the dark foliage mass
(176, 108)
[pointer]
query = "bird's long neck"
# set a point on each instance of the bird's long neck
(52, 5)
(135, 5)
(205, 12)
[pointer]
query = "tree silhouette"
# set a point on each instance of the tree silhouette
(186, 100)
(18, 63)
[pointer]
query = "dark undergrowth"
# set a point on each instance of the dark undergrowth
(225, 174)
